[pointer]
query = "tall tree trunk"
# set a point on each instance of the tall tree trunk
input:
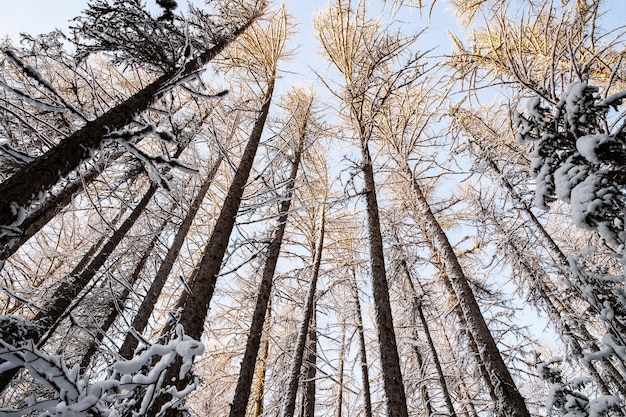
(365, 378)
(117, 305)
(142, 317)
(470, 408)
(260, 370)
(196, 308)
(289, 402)
(509, 401)
(390, 361)
(308, 397)
(39, 176)
(340, 371)
(246, 374)
(471, 341)
(416, 307)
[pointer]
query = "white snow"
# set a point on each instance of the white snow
(77, 396)
(587, 146)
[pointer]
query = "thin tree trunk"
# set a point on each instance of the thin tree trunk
(117, 306)
(149, 301)
(470, 408)
(416, 306)
(244, 382)
(509, 402)
(308, 397)
(390, 361)
(365, 378)
(289, 402)
(471, 342)
(260, 370)
(340, 371)
(196, 308)
(39, 176)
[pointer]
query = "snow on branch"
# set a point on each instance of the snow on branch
(114, 395)
(126, 137)
(579, 158)
(32, 73)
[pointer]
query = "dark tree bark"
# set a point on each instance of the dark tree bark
(246, 374)
(36, 220)
(310, 364)
(508, 400)
(365, 377)
(142, 317)
(39, 176)
(289, 402)
(418, 310)
(117, 306)
(390, 361)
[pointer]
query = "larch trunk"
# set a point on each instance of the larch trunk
(140, 321)
(246, 374)
(289, 402)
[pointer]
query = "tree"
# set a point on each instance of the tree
(37, 177)
(366, 57)
(302, 103)
(265, 47)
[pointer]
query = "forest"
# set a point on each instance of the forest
(194, 221)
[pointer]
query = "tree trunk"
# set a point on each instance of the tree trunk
(308, 397)
(289, 402)
(196, 308)
(36, 220)
(390, 361)
(470, 408)
(365, 378)
(416, 307)
(509, 401)
(117, 306)
(39, 176)
(340, 366)
(244, 382)
(149, 301)
(260, 370)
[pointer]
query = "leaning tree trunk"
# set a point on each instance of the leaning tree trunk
(308, 394)
(37, 219)
(39, 176)
(73, 284)
(117, 305)
(289, 402)
(246, 374)
(417, 309)
(509, 402)
(390, 361)
(196, 308)
(365, 377)
(261, 369)
(149, 301)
